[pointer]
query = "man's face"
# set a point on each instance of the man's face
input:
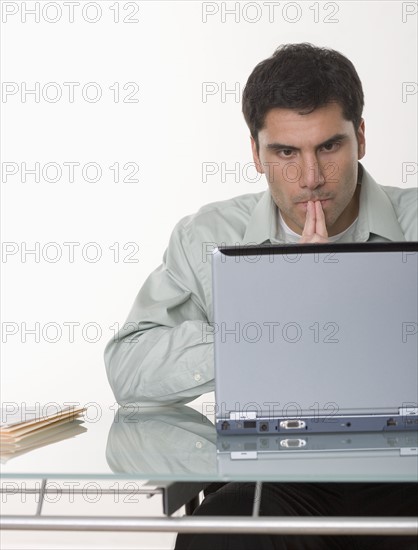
(311, 157)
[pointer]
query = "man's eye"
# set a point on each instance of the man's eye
(286, 152)
(331, 146)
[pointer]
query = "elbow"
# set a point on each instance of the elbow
(120, 372)
(126, 367)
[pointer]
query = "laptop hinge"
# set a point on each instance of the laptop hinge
(245, 415)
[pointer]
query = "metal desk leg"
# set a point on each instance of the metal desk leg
(178, 493)
(257, 498)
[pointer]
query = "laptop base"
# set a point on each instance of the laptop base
(311, 424)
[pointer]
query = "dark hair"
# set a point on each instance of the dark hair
(301, 77)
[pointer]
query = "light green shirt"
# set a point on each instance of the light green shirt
(163, 353)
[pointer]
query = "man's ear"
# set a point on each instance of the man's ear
(361, 140)
(256, 158)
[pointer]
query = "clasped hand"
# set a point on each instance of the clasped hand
(315, 229)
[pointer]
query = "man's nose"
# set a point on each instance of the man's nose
(312, 175)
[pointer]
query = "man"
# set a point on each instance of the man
(303, 107)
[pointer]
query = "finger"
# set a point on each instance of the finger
(321, 226)
(310, 221)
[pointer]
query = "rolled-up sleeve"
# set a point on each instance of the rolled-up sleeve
(164, 351)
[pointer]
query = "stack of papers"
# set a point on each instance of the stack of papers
(25, 430)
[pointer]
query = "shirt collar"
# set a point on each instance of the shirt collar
(263, 223)
(376, 215)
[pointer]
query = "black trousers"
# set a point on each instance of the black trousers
(306, 499)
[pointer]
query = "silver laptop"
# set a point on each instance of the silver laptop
(316, 338)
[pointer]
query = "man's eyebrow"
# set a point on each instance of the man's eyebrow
(281, 146)
(333, 139)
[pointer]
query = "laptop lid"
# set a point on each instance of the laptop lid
(316, 337)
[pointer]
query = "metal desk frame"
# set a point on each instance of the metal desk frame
(176, 494)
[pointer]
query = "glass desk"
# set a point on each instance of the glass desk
(177, 452)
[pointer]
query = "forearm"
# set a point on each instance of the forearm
(162, 364)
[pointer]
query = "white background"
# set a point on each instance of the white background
(171, 129)
(169, 132)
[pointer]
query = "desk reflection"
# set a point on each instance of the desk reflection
(180, 442)
(173, 440)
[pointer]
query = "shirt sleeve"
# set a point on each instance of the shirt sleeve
(164, 351)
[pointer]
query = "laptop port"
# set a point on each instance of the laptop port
(250, 424)
(391, 422)
(292, 443)
(264, 426)
(292, 424)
